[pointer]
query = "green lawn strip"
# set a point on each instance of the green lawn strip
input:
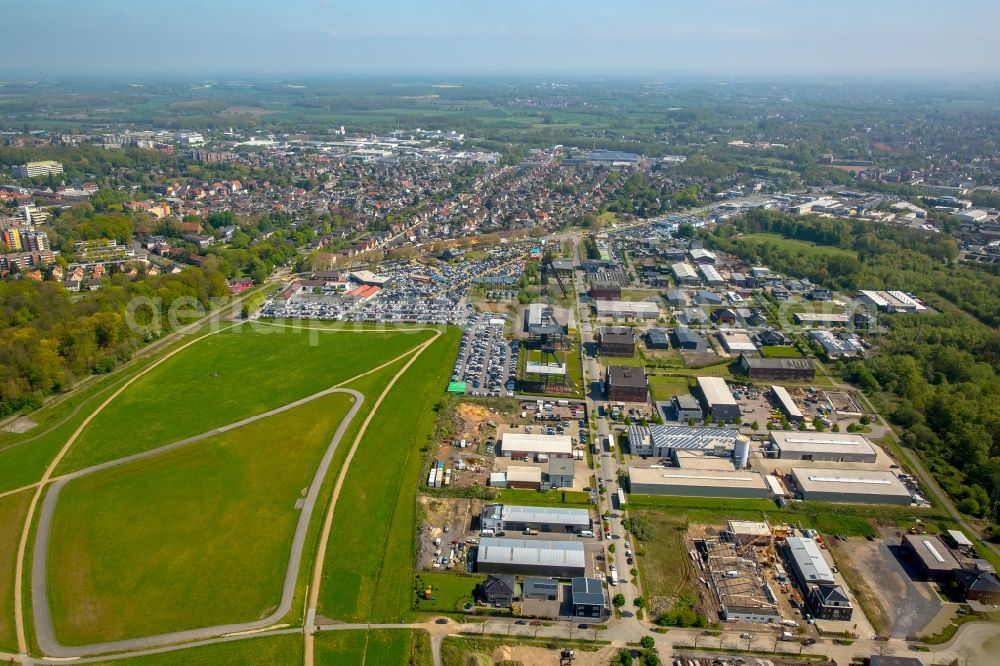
(224, 378)
(548, 498)
(283, 650)
(13, 509)
(449, 591)
(396, 647)
(714, 504)
(369, 566)
(780, 352)
(195, 537)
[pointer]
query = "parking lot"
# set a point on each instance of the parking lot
(486, 362)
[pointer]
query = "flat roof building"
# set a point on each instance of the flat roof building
(717, 399)
(625, 383)
(850, 485)
(536, 557)
(617, 341)
(662, 441)
(801, 369)
(523, 476)
(822, 446)
(686, 407)
(634, 309)
(735, 342)
(684, 273)
(588, 597)
(35, 169)
(521, 445)
(692, 483)
(504, 517)
(931, 556)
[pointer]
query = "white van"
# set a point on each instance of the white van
(585, 533)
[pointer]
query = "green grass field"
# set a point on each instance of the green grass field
(285, 650)
(382, 647)
(548, 498)
(13, 509)
(194, 537)
(664, 387)
(828, 523)
(227, 377)
(780, 352)
(796, 246)
(368, 573)
(664, 564)
(450, 591)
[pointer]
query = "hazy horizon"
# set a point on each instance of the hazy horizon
(742, 39)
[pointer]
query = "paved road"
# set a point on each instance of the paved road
(39, 592)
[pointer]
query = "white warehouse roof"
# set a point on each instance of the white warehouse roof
(716, 391)
(534, 552)
(545, 514)
(673, 476)
(860, 482)
(531, 443)
(793, 441)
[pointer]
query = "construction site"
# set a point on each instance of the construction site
(742, 572)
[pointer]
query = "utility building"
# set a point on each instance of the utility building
(617, 341)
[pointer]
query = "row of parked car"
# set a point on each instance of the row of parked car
(482, 358)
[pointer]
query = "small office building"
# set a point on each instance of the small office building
(830, 602)
(561, 473)
(686, 407)
(588, 598)
(931, 556)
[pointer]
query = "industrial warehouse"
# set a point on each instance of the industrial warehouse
(502, 517)
(661, 441)
(821, 446)
(850, 485)
(801, 369)
(717, 400)
(696, 483)
(539, 557)
(527, 446)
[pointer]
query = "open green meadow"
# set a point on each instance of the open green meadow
(226, 377)
(193, 537)
(368, 573)
(283, 650)
(13, 509)
(796, 246)
(449, 591)
(664, 564)
(395, 647)
(567, 498)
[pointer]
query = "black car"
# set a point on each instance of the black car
(441, 620)
(583, 626)
(521, 622)
(809, 641)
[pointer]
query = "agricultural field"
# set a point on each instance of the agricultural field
(376, 647)
(368, 574)
(193, 537)
(13, 509)
(221, 379)
(284, 650)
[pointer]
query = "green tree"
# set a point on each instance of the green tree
(618, 600)
(647, 642)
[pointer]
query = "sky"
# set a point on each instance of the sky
(200, 38)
